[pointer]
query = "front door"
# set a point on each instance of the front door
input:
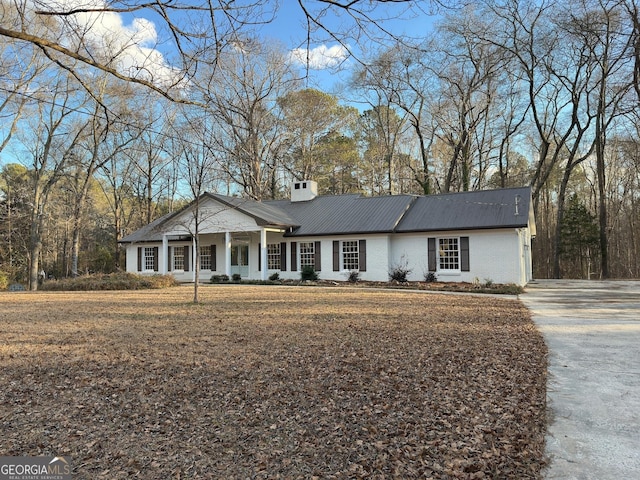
(240, 260)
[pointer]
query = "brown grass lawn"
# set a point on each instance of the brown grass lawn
(273, 382)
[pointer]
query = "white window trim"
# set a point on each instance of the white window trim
(357, 257)
(201, 257)
(310, 255)
(271, 255)
(148, 256)
(448, 271)
(179, 248)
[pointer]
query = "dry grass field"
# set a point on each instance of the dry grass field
(273, 382)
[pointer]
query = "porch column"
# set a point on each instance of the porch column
(194, 258)
(165, 256)
(263, 254)
(227, 254)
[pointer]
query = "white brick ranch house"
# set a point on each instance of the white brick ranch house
(461, 237)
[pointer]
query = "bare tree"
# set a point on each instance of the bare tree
(197, 163)
(53, 134)
(395, 81)
(200, 32)
(248, 133)
(104, 140)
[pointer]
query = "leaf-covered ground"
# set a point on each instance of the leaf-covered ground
(273, 382)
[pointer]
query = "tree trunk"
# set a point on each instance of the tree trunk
(602, 192)
(77, 225)
(196, 268)
(557, 241)
(117, 227)
(35, 246)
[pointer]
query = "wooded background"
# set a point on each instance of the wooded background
(497, 94)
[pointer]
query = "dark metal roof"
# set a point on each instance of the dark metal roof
(355, 214)
(148, 233)
(469, 210)
(345, 214)
(264, 213)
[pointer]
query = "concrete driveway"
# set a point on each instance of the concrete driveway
(592, 329)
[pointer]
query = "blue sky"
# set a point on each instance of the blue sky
(289, 27)
(142, 42)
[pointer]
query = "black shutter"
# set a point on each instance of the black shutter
(186, 258)
(283, 256)
(214, 265)
(362, 255)
(139, 259)
(336, 256)
(294, 256)
(317, 260)
(259, 257)
(169, 258)
(431, 243)
(464, 254)
(155, 259)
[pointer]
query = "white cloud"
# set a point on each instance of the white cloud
(128, 48)
(321, 57)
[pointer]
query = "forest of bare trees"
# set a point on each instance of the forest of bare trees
(95, 142)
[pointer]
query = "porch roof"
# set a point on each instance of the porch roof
(264, 214)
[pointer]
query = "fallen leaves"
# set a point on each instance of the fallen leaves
(268, 382)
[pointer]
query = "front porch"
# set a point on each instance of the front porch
(229, 253)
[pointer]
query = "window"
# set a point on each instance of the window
(205, 257)
(448, 254)
(149, 258)
(307, 254)
(178, 258)
(350, 255)
(273, 256)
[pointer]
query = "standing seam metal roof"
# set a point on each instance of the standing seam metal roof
(502, 208)
(345, 214)
(355, 214)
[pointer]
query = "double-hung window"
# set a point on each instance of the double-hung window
(350, 255)
(178, 258)
(149, 258)
(448, 254)
(205, 257)
(307, 254)
(273, 256)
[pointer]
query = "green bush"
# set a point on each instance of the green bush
(236, 277)
(274, 277)
(219, 278)
(308, 273)
(113, 281)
